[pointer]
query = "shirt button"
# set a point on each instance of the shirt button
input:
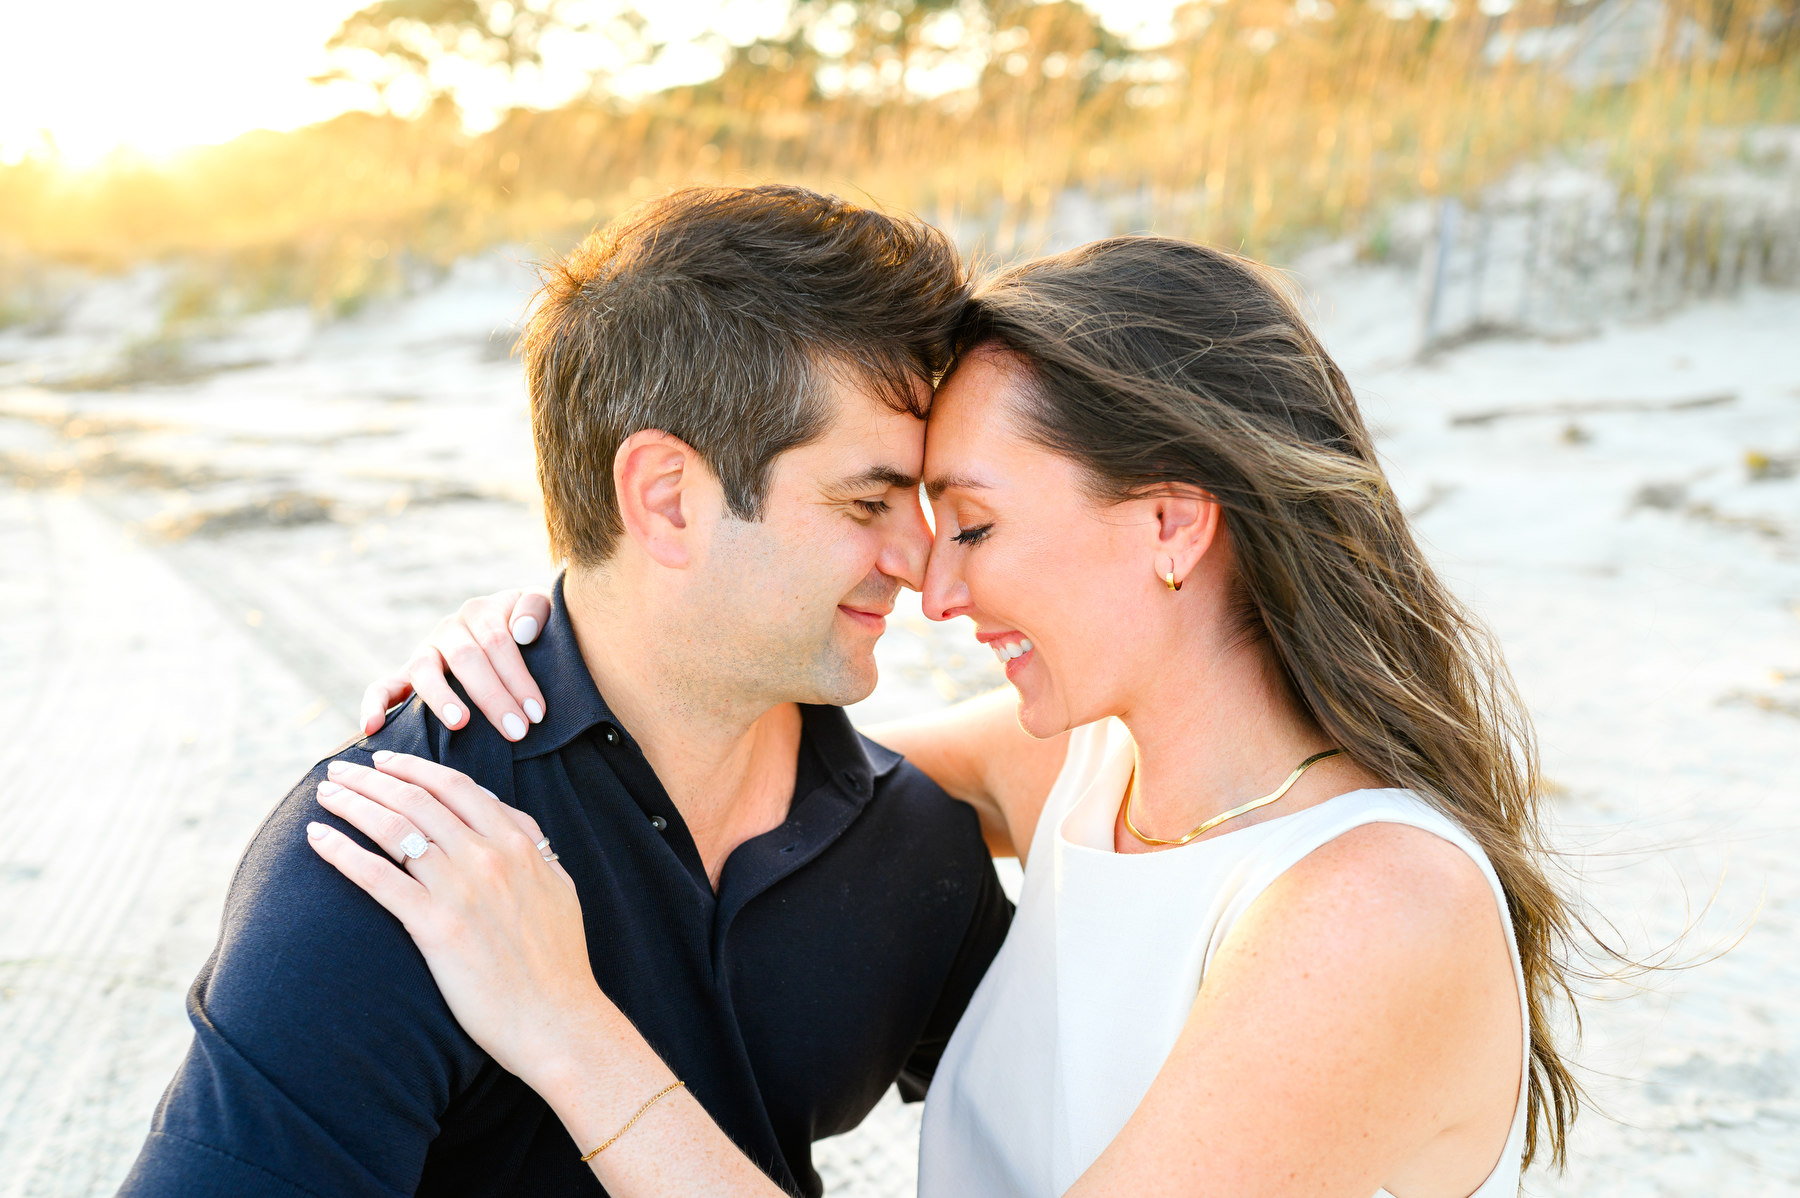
(659, 823)
(611, 734)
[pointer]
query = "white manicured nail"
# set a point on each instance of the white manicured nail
(533, 712)
(315, 831)
(452, 714)
(514, 726)
(382, 755)
(329, 788)
(525, 629)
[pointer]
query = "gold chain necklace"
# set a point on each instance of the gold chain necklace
(1220, 818)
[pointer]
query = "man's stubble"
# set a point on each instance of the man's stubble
(761, 627)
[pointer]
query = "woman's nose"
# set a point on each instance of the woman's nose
(944, 595)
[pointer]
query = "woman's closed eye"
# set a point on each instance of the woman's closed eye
(973, 536)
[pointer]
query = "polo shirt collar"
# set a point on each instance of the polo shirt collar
(573, 706)
(572, 703)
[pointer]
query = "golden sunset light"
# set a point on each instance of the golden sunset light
(899, 598)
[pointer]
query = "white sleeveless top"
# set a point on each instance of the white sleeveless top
(1041, 1074)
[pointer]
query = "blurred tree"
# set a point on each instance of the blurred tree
(395, 42)
(875, 50)
(886, 51)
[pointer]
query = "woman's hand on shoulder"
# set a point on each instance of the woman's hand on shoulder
(498, 922)
(1348, 1035)
(479, 646)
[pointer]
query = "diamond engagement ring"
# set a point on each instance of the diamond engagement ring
(414, 846)
(544, 851)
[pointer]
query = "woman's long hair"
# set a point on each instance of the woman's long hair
(1160, 362)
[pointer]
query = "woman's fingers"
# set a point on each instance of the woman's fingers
(393, 833)
(425, 674)
(468, 660)
(526, 824)
(479, 646)
(495, 629)
(412, 806)
(467, 800)
(379, 698)
(400, 894)
(529, 615)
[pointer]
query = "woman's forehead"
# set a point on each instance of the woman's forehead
(980, 391)
(973, 438)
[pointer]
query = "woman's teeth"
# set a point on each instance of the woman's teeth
(1009, 651)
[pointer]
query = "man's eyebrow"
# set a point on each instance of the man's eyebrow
(936, 487)
(874, 476)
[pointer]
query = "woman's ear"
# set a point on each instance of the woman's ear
(1187, 524)
(656, 477)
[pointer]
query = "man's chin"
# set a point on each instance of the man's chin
(850, 678)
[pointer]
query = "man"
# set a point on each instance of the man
(728, 389)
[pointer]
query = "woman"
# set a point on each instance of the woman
(1214, 984)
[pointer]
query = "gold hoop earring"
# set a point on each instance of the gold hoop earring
(1169, 578)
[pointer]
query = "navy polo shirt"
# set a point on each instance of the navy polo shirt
(835, 958)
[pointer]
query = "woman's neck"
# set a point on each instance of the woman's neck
(1216, 731)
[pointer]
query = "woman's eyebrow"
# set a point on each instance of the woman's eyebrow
(934, 488)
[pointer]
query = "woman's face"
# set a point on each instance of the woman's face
(1058, 585)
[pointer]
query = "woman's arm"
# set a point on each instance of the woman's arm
(500, 927)
(975, 750)
(1359, 1028)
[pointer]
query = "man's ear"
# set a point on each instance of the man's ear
(657, 478)
(1187, 522)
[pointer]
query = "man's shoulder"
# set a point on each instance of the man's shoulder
(322, 1046)
(279, 864)
(413, 728)
(292, 924)
(476, 749)
(923, 808)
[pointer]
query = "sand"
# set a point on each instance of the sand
(202, 568)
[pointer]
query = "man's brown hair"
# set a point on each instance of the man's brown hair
(713, 314)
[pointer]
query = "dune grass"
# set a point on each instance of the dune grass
(1260, 125)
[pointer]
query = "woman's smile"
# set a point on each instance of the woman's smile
(1013, 649)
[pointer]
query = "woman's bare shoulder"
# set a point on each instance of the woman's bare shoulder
(1381, 891)
(1353, 1010)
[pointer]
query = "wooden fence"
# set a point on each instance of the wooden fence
(1559, 263)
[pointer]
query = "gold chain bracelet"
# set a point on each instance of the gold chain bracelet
(654, 1099)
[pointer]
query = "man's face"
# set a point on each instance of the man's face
(802, 594)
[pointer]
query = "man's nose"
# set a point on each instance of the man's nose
(908, 547)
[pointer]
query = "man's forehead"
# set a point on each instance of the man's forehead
(850, 384)
(861, 451)
(858, 408)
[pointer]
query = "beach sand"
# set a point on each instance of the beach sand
(203, 568)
